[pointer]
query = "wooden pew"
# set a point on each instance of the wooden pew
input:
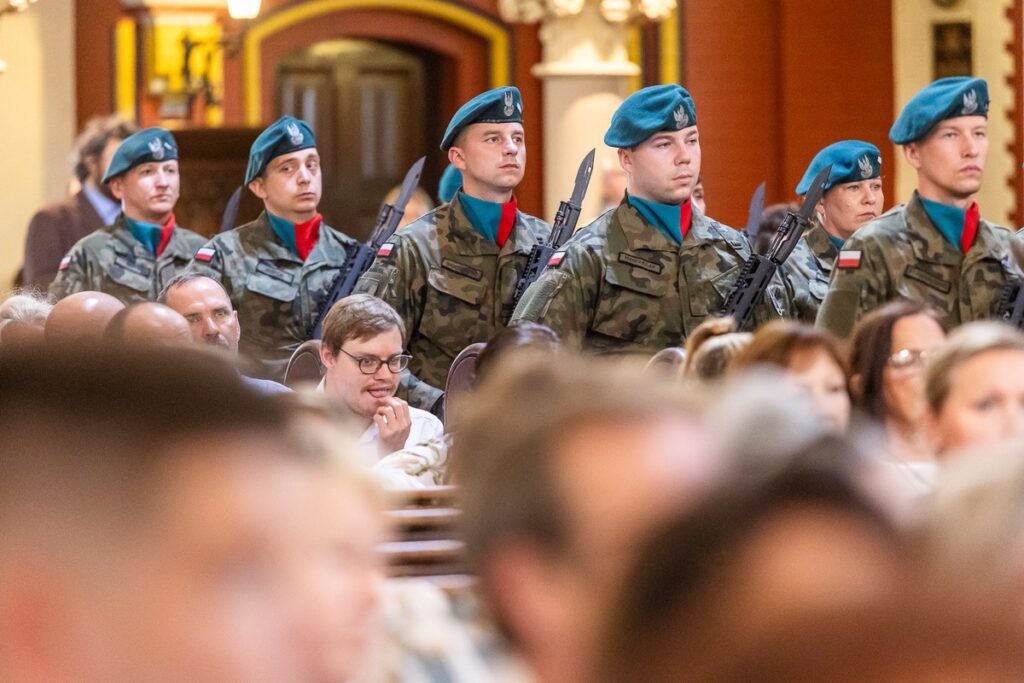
(426, 543)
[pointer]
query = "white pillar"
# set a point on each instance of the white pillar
(585, 73)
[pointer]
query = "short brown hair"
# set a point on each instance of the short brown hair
(359, 316)
(779, 341)
(98, 131)
(711, 348)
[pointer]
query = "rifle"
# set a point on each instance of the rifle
(566, 217)
(1010, 307)
(759, 270)
(360, 258)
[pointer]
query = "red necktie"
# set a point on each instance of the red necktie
(508, 221)
(307, 235)
(685, 218)
(970, 227)
(165, 234)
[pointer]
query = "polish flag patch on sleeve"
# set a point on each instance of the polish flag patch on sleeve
(386, 249)
(64, 263)
(205, 254)
(556, 259)
(849, 259)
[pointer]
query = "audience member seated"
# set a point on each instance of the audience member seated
(562, 464)
(974, 387)
(361, 350)
(148, 324)
(711, 348)
(80, 318)
(157, 522)
(888, 350)
(212, 319)
(809, 356)
(797, 577)
(426, 464)
(22, 318)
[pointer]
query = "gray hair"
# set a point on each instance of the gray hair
(25, 306)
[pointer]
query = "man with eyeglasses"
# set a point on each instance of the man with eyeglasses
(361, 349)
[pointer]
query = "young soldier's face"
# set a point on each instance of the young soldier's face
(363, 394)
(664, 167)
(950, 161)
(847, 206)
(291, 185)
(149, 191)
(491, 156)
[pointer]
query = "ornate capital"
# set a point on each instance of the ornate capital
(614, 11)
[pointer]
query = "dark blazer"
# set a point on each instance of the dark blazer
(51, 234)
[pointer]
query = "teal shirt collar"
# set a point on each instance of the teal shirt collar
(149, 234)
(948, 219)
(483, 215)
(285, 231)
(837, 241)
(665, 217)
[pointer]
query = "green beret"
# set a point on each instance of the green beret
(451, 181)
(649, 111)
(284, 136)
(501, 105)
(852, 161)
(151, 144)
(946, 98)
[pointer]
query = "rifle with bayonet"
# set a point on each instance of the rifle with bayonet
(361, 257)
(759, 270)
(566, 217)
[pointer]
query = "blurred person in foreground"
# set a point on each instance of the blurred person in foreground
(601, 452)
(974, 387)
(810, 357)
(23, 316)
(54, 229)
(80, 319)
(711, 348)
(888, 351)
(149, 324)
(212, 319)
(155, 523)
(795, 577)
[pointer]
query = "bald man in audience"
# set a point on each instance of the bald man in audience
(211, 319)
(149, 324)
(563, 465)
(155, 522)
(81, 318)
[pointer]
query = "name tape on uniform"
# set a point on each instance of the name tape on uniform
(849, 259)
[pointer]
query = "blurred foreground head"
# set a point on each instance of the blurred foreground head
(563, 463)
(155, 522)
(80, 318)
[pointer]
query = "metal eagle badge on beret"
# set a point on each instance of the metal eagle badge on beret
(500, 105)
(145, 146)
(851, 161)
(648, 111)
(943, 99)
(286, 135)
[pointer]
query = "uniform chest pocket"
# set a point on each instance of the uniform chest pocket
(132, 274)
(630, 308)
(451, 313)
(707, 297)
(270, 281)
(818, 287)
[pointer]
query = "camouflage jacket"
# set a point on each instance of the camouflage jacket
(277, 296)
(622, 285)
(452, 288)
(903, 255)
(111, 260)
(808, 269)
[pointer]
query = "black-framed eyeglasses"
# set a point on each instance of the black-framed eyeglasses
(369, 365)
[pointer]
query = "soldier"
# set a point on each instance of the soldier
(143, 248)
(452, 274)
(279, 269)
(853, 196)
(643, 276)
(935, 249)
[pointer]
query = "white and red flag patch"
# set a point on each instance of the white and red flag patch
(556, 259)
(205, 254)
(849, 258)
(64, 263)
(386, 249)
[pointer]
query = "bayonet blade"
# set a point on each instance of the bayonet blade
(409, 184)
(814, 194)
(756, 210)
(579, 190)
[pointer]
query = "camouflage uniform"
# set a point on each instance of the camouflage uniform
(808, 269)
(111, 260)
(452, 287)
(903, 255)
(623, 285)
(277, 296)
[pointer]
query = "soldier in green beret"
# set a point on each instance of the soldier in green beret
(644, 275)
(853, 196)
(452, 274)
(134, 257)
(935, 249)
(279, 269)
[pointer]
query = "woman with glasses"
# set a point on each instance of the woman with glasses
(974, 387)
(888, 351)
